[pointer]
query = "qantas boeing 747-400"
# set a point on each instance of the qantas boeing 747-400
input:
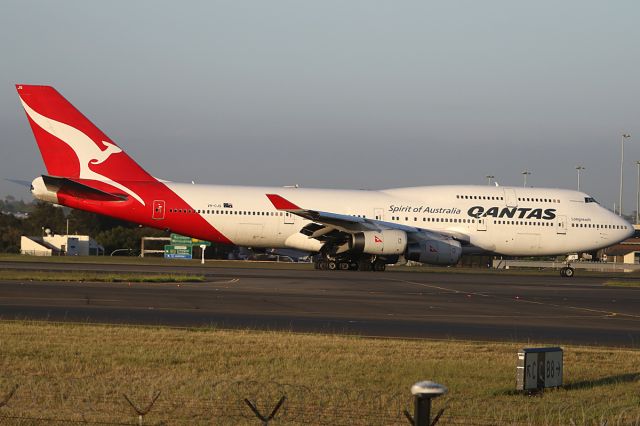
(350, 229)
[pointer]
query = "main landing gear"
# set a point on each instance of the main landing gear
(361, 264)
(567, 272)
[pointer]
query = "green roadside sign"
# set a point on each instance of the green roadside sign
(181, 240)
(177, 239)
(178, 251)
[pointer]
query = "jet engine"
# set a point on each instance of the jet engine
(385, 242)
(435, 252)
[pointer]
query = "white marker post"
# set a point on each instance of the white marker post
(203, 247)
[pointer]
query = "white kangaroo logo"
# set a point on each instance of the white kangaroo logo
(87, 151)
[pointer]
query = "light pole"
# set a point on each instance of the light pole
(625, 136)
(489, 178)
(638, 195)
(525, 174)
(579, 169)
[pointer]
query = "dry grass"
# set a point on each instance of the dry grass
(76, 372)
(623, 283)
(155, 261)
(97, 277)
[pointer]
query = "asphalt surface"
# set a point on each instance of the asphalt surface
(524, 309)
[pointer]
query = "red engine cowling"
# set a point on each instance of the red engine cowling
(385, 242)
(435, 252)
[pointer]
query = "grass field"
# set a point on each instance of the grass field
(75, 372)
(623, 283)
(153, 261)
(98, 277)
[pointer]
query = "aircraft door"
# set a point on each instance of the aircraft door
(289, 218)
(510, 198)
(482, 223)
(561, 225)
(378, 214)
(158, 209)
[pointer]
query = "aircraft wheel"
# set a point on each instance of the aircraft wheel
(332, 266)
(344, 266)
(364, 265)
(380, 267)
(353, 266)
(322, 265)
(569, 272)
(562, 270)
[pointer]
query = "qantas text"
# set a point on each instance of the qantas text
(512, 212)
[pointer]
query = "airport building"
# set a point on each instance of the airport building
(60, 245)
(627, 251)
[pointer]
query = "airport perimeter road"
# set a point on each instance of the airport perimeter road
(524, 309)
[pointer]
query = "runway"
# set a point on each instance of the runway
(525, 309)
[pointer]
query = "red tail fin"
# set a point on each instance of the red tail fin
(70, 144)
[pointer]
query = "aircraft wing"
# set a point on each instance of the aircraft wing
(327, 222)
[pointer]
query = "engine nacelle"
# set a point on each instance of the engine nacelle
(385, 242)
(299, 241)
(435, 252)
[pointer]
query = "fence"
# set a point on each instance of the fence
(259, 403)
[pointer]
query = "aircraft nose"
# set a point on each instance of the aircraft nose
(630, 229)
(627, 229)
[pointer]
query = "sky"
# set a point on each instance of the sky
(338, 94)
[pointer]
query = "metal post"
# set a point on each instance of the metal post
(525, 174)
(638, 195)
(579, 168)
(489, 178)
(423, 393)
(624, 137)
(422, 410)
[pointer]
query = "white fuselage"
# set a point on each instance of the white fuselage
(502, 220)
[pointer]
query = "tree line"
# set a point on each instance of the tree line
(18, 218)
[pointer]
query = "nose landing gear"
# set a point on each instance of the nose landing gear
(567, 272)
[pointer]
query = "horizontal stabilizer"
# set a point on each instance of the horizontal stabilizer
(20, 182)
(79, 189)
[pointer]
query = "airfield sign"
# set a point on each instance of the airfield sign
(181, 247)
(539, 368)
(177, 239)
(178, 251)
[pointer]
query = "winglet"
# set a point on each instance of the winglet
(281, 203)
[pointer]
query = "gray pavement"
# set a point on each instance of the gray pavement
(524, 309)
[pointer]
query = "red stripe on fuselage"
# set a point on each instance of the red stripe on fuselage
(189, 223)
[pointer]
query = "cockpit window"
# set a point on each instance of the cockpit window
(589, 200)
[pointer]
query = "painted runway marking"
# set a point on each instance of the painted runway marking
(608, 314)
(232, 281)
(448, 290)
